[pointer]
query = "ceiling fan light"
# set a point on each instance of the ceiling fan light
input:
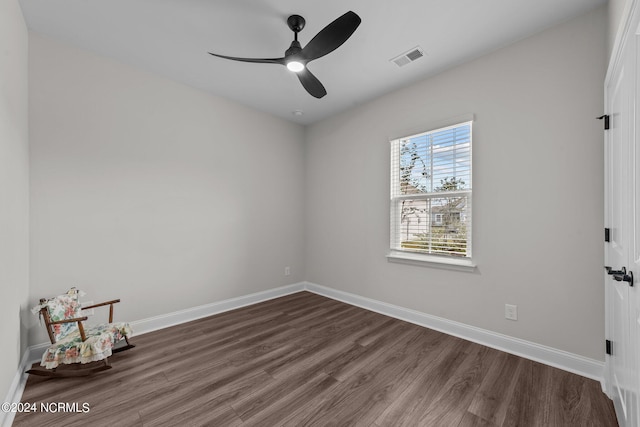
(295, 66)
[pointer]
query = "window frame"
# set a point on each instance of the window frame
(396, 254)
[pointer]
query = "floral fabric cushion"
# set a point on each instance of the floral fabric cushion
(62, 307)
(98, 345)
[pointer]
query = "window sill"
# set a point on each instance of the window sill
(459, 264)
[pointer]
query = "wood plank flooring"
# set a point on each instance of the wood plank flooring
(304, 359)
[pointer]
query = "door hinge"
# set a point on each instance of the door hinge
(607, 235)
(608, 347)
(606, 121)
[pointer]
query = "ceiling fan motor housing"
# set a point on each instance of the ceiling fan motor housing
(294, 49)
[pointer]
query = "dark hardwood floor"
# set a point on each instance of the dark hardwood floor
(304, 359)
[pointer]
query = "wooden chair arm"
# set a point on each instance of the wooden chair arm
(109, 303)
(74, 319)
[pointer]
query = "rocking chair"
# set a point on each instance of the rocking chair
(74, 343)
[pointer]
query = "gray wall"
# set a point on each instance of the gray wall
(153, 192)
(14, 188)
(538, 191)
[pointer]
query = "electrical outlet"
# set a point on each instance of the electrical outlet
(287, 271)
(511, 312)
(89, 312)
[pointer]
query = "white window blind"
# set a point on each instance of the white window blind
(431, 192)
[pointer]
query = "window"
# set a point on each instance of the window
(431, 195)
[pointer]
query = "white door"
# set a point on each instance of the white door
(621, 252)
(634, 251)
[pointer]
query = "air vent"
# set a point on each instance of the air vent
(408, 57)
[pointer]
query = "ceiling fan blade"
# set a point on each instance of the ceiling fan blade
(311, 83)
(332, 36)
(258, 60)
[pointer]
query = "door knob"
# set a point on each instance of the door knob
(628, 277)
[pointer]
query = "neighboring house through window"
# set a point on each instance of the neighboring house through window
(431, 193)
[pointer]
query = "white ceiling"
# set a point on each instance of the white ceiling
(172, 38)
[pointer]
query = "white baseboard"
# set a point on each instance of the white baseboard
(15, 390)
(564, 360)
(570, 362)
(177, 317)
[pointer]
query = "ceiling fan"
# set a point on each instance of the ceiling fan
(296, 57)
